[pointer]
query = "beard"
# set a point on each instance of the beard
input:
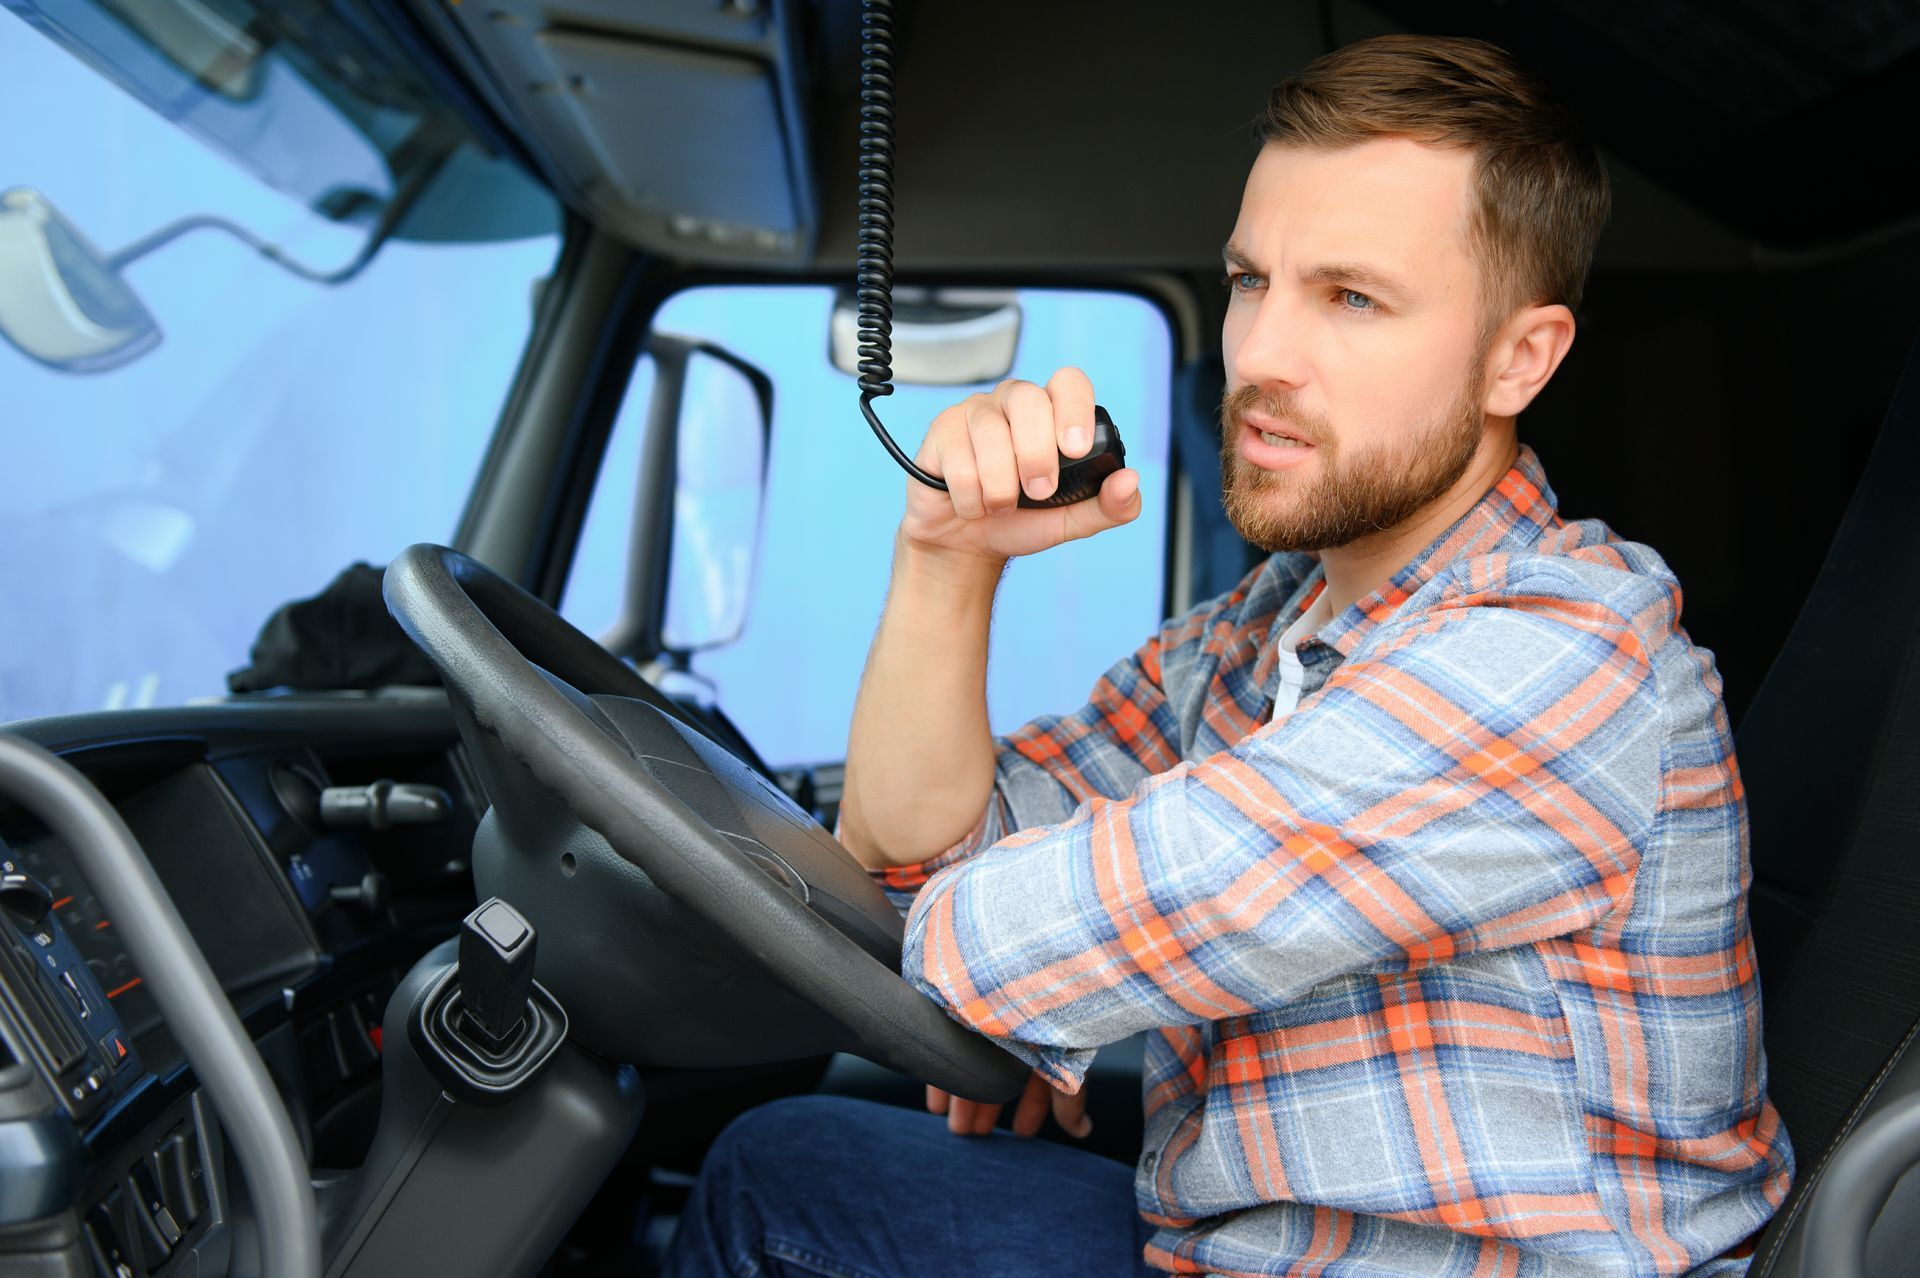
(1354, 495)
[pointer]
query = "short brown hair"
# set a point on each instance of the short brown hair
(1541, 190)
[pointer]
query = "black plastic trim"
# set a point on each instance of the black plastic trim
(40, 1160)
(466, 1073)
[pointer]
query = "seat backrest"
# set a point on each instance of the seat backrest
(1830, 755)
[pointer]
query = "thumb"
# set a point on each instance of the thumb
(1118, 503)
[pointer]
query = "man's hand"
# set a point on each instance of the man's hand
(989, 448)
(976, 1118)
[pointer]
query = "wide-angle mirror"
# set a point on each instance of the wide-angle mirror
(62, 301)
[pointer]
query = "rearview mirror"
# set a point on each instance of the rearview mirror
(62, 302)
(941, 337)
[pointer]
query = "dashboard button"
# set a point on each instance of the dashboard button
(156, 1222)
(177, 1160)
(116, 1049)
(502, 925)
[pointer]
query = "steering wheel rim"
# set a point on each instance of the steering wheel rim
(462, 614)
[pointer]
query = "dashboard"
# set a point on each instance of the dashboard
(276, 826)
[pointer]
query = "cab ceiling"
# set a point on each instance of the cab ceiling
(1068, 138)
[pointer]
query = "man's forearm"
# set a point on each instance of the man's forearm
(920, 755)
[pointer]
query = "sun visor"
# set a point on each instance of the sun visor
(683, 137)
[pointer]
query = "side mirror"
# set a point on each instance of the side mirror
(720, 476)
(696, 518)
(62, 302)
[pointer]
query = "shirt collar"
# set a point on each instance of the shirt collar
(1509, 515)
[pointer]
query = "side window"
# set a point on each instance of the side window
(834, 498)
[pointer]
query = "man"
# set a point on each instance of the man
(1421, 854)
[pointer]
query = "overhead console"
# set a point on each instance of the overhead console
(676, 124)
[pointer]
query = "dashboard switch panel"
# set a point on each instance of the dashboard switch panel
(54, 1001)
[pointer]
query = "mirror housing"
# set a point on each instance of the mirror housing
(941, 337)
(62, 302)
(697, 514)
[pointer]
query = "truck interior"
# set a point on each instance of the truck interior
(434, 478)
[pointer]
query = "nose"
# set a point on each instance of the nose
(1267, 347)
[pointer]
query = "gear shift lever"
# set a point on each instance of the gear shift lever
(483, 1027)
(496, 973)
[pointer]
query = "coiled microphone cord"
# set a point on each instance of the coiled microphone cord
(873, 272)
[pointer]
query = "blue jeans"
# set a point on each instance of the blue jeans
(823, 1185)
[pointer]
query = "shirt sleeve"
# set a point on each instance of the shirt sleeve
(1477, 777)
(1043, 772)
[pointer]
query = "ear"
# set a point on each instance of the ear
(1525, 353)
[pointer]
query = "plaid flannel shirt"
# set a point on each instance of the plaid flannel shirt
(1446, 965)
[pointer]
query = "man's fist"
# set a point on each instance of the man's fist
(976, 1118)
(991, 447)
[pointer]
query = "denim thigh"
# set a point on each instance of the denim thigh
(827, 1187)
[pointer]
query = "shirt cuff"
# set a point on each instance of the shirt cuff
(902, 883)
(1063, 1067)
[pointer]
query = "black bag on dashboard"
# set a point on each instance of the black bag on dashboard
(343, 637)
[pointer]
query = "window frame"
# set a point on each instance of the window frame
(648, 559)
(647, 290)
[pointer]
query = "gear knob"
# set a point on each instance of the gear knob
(496, 971)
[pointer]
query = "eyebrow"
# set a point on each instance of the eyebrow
(1354, 275)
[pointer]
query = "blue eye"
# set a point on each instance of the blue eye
(1354, 301)
(1241, 281)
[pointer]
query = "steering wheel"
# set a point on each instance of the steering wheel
(688, 912)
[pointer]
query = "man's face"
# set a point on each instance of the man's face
(1354, 370)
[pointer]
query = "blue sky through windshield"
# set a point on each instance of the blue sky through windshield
(151, 517)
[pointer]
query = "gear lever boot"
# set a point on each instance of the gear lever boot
(484, 1027)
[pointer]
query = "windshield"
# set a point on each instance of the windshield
(222, 382)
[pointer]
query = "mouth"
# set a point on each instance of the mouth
(1272, 444)
(1275, 431)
